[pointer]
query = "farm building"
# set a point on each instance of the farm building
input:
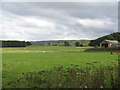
(109, 44)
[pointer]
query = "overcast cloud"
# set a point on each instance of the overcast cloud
(57, 21)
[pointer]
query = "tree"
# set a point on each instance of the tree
(66, 43)
(49, 44)
(77, 44)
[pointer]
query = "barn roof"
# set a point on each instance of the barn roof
(110, 41)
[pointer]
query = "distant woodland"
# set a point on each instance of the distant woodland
(14, 43)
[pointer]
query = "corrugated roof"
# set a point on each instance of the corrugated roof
(110, 41)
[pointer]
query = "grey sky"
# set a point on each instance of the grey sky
(58, 21)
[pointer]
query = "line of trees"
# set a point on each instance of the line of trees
(14, 43)
(67, 43)
(77, 44)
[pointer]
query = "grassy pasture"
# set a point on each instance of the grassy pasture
(45, 48)
(15, 63)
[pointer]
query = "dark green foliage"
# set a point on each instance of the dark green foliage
(113, 36)
(81, 45)
(66, 43)
(15, 43)
(27, 43)
(60, 42)
(72, 77)
(77, 44)
(49, 44)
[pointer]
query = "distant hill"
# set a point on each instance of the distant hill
(60, 42)
(113, 36)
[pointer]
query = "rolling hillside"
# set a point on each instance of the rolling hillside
(60, 42)
(113, 36)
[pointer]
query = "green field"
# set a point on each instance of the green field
(34, 58)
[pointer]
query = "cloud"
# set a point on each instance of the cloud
(56, 21)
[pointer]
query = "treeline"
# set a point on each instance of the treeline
(62, 43)
(113, 36)
(77, 44)
(14, 43)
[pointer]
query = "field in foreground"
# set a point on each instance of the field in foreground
(29, 59)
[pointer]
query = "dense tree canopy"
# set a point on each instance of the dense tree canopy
(77, 44)
(15, 43)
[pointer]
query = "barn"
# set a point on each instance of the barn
(109, 44)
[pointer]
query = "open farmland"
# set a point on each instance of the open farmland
(16, 61)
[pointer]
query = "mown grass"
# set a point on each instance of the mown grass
(46, 48)
(14, 64)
